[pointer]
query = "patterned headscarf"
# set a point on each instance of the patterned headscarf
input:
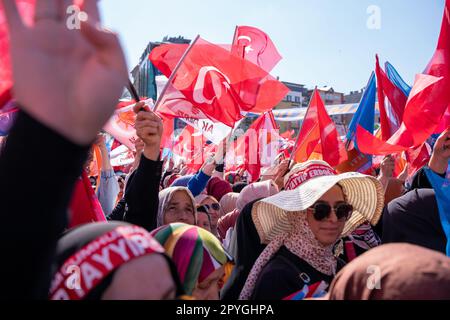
(196, 252)
(301, 242)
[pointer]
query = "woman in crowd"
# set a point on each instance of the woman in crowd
(201, 261)
(301, 227)
(245, 246)
(228, 203)
(214, 210)
(176, 204)
(217, 188)
(110, 261)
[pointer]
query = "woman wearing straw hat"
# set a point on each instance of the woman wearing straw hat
(301, 226)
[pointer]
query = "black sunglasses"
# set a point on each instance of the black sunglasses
(214, 206)
(322, 210)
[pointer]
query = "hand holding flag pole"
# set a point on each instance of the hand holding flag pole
(134, 94)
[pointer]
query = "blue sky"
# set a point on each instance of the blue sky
(323, 42)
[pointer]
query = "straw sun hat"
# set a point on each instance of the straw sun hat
(364, 193)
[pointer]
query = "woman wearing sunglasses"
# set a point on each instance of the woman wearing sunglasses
(213, 209)
(301, 227)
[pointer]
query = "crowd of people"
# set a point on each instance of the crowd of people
(303, 232)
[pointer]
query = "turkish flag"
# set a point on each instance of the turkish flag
(255, 46)
(426, 106)
(391, 113)
(319, 135)
(189, 143)
(200, 157)
(214, 83)
(258, 146)
(167, 136)
(417, 158)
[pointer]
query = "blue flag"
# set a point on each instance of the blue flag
(365, 115)
(441, 188)
(396, 79)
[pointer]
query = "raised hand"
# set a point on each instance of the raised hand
(149, 128)
(69, 80)
(387, 167)
(209, 166)
(441, 153)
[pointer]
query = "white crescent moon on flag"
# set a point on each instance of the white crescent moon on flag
(198, 96)
(186, 150)
(245, 38)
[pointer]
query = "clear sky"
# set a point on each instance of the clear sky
(323, 42)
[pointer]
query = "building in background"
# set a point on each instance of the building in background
(296, 98)
(147, 79)
(328, 95)
(353, 96)
(145, 73)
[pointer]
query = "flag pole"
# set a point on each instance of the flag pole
(133, 91)
(300, 130)
(234, 36)
(158, 101)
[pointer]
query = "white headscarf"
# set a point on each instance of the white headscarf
(164, 198)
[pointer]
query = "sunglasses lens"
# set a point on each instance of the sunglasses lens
(321, 211)
(215, 206)
(344, 211)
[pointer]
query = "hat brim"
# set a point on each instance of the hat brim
(364, 193)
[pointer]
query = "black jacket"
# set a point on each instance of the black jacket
(286, 274)
(34, 204)
(414, 218)
(140, 203)
(249, 248)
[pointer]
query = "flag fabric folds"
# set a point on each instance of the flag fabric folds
(427, 103)
(214, 83)
(255, 46)
(319, 135)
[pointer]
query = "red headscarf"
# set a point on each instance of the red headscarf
(217, 188)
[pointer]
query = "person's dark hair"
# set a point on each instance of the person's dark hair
(204, 209)
(237, 187)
